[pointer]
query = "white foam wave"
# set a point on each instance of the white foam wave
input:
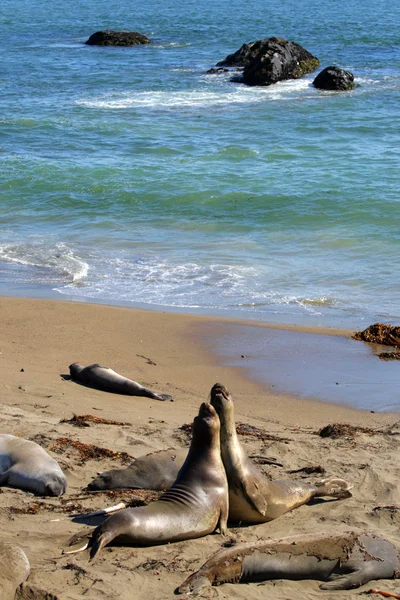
(202, 97)
(58, 258)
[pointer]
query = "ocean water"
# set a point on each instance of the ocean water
(130, 175)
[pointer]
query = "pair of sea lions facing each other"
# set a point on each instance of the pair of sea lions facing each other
(194, 499)
(252, 497)
(104, 378)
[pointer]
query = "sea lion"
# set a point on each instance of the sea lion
(344, 561)
(104, 378)
(15, 570)
(195, 505)
(26, 466)
(252, 497)
(155, 471)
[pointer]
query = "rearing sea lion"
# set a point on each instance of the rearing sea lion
(193, 507)
(104, 378)
(252, 497)
(344, 561)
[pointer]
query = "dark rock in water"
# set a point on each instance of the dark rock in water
(334, 78)
(271, 60)
(242, 57)
(117, 38)
(217, 70)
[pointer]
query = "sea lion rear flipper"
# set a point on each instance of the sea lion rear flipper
(349, 581)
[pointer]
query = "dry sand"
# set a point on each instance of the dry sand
(167, 352)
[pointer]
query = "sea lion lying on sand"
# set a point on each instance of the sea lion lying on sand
(15, 570)
(26, 466)
(195, 505)
(104, 378)
(252, 497)
(344, 561)
(155, 471)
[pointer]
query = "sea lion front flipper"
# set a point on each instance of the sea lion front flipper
(254, 497)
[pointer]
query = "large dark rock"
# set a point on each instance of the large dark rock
(334, 78)
(117, 38)
(271, 60)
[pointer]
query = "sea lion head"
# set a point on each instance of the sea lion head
(75, 369)
(206, 424)
(56, 485)
(221, 400)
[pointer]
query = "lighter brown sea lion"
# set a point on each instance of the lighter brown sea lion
(104, 378)
(195, 505)
(344, 561)
(14, 570)
(155, 471)
(26, 466)
(252, 497)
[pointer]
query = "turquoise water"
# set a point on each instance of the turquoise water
(130, 175)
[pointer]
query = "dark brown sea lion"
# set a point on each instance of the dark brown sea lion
(252, 497)
(15, 570)
(155, 471)
(104, 378)
(344, 561)
(195, 505)
(26, 466)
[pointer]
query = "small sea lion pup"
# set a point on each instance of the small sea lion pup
(26, 466)
(252, 497)
(344, 561)
(15, 570)
(104, 378)
(195, 505)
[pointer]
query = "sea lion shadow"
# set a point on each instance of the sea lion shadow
(315, 501)
(94, 520)
(65, 377)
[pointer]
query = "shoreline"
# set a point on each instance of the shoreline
(227, 356)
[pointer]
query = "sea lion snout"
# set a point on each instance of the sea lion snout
(206, 409)
(220, 398)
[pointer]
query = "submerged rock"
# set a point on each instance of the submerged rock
(109, 37)
(334, 78)
(268, 61)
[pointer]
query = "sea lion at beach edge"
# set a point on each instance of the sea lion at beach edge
(104, 378)
(193, 507)
(155, 471)
(15, 569)
(344, 561)
(26, 466)
(252, 497)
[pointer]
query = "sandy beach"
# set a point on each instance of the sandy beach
(176, 355)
